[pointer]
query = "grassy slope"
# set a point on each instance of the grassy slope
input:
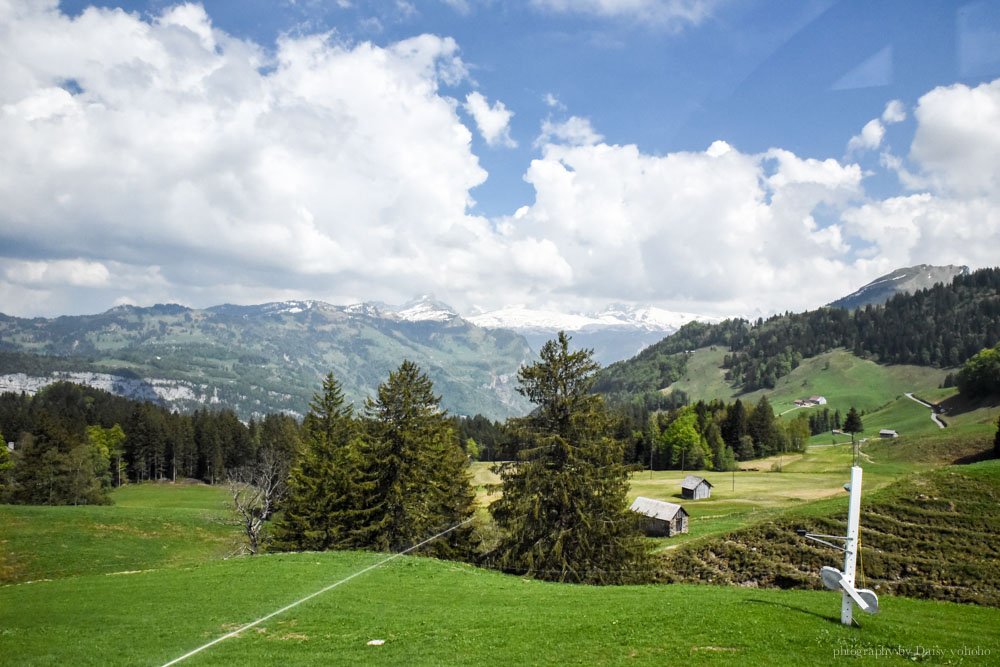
(844, 380)
(149, 526)
(433, 612)
(933, 534)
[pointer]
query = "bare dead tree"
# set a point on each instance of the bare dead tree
(255, 490)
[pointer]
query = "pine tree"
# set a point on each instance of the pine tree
(323, 507)
(735, 426)
(852, 425)
(563, 513)
(760, 426)
(415, 470)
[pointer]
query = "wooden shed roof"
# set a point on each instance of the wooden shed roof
(692, 482)
(656, 509)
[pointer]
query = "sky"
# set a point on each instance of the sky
(720, 157)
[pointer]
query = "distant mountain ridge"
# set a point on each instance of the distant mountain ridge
(618, 332)
(901, 281)
(268, 357)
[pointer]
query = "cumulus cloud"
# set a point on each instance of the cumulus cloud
(894, 112)
(167, 141)
(873, 132)
(870, 137)
(957, 143)
(493, 121)
(574, 131)
(161, 159)
(721, 229)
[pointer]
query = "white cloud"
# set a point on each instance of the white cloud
(675, 12)
(873, 132)
(552, 101)
(238, 172)
(957, 143)
(74, 272)
(493, 121)
(726, 231)
(894, 112)
(184, 164)
(870, 137)
(575, 131)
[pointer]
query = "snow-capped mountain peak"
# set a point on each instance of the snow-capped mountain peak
(648, 318)
(426, 308)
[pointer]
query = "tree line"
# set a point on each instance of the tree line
(72, 444)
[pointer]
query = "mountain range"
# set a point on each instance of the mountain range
(272, 357)
(618, 332)
(266, 358)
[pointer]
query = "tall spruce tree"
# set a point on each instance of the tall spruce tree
(761, 428)
(323, 507)
(414, 469)
(563, 513)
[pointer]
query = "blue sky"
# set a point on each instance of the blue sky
(698, 155)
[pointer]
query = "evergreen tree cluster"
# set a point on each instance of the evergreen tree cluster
(385, 480)
(822, 421)
(72, 444)
(714, 435)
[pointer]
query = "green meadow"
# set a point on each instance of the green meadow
(434, 612)
(146, 580)
(149, 526)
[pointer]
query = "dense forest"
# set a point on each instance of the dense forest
(941, 326)
(72, 444)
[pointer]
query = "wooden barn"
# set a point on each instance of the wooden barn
(662, 519)
(696, 488)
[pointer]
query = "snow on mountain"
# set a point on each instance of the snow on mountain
(615, 333)
(618, 316)
(426, 308)
(521, 318)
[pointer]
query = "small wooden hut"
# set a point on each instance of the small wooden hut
(696, 488)
(662, 519)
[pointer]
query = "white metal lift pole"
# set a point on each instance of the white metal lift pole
(851, 544)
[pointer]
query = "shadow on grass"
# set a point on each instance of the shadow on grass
(830, 619)
(958, 404)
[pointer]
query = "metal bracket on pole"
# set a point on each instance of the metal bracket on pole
(833, 578)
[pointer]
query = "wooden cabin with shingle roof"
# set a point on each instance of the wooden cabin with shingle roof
(663, 519)
(696, 488)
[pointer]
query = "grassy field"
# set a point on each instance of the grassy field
(434, 612)
(149, 526)
(143, 581)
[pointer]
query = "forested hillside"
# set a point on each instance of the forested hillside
(265, 358)
(941, 326)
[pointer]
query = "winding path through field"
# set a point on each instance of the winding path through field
(934, 416)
